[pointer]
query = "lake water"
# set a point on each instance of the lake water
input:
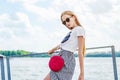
(37, 68)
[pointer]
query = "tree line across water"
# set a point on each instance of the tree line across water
(44, 54)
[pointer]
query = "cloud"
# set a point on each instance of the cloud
(15, 26)
(37, 27)
(45, 14)
(35, 7)
(24, 1)
(22, 17)
(3, 18)
(99, 7)
(25, 36)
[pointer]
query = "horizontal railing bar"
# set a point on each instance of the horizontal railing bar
(58, 51)
(98, 47)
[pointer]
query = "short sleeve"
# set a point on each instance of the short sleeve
(80, 31)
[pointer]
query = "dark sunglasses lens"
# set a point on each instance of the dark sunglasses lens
(64, 22)
(67, 20)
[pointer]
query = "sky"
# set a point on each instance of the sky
(35, 25)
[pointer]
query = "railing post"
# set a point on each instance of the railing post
(2, 67)
(114, 63)
(8, 68)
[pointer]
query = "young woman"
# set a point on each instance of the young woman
(75, 40)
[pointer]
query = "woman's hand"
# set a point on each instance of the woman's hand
(54, 49)
(81, 76)
(51, 51)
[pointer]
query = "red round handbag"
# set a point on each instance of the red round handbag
(56, 63)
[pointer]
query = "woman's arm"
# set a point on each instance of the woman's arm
(54, 49)
(81, 42)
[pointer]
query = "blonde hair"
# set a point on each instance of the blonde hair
(77, 22)
(84, 48)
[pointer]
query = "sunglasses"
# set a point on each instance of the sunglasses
(67, 20)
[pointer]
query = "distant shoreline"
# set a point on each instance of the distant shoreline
(23, 53)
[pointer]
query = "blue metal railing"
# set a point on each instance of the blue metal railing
(2, 67)
(8, 68)
(9, 72)
(113, 59)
